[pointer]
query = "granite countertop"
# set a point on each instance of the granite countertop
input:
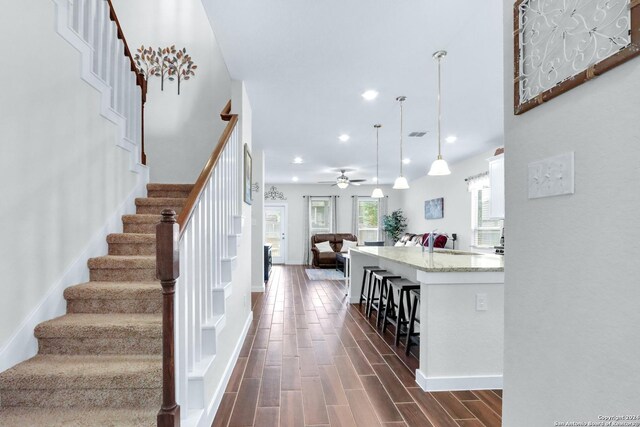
(441, 260)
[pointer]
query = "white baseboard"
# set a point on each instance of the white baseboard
(258, 288)
(207, 417)
(491, 382)
(23, 344)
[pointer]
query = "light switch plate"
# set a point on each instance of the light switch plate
(553, 176)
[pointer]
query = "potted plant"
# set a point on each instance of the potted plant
(394, 224)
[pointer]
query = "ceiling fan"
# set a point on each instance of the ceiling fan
(343, 180)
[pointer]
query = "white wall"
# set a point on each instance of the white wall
(295, 207)
(180, 131)
(572, 289)
(63, 178)
(457, 200)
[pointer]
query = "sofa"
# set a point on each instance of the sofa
(410, 239)
(328, 259)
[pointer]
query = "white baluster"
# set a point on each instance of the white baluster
(86, 20)
(76, 11)
(197, 282)
(181, 335)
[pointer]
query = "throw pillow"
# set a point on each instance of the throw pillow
(411, 243)
(399, 243)
(346, 244)
(324, 247)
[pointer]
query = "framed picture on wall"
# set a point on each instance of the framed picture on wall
(434, 208)
(248, 175)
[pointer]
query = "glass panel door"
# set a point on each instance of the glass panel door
(275, 232)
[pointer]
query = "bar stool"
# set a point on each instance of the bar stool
(378, 293)
(413, 337)
(365, 290)
(398, 306)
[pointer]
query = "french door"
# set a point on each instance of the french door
(275, 231)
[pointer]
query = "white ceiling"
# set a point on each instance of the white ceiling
(306, 63)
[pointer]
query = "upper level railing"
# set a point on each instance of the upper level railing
(194, 256)
(109, 65)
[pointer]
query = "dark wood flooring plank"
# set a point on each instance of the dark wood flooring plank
(391, 383)
(255, 364)
(270, 387)
(289, 346)
(452, 405)
(267, 417)
(361, 409)
(262, 339)
(308, 364)
(465, 395)
(291, 412)
(244, 410)
(430, 406)
(483, 413)
(274, 353)
(380, 344)
(406, 377)
(304, 338)
(236, 375)
(470, 423)
(277, 331)
(346, 371)
(340, 416)
(332, 387)
(323, 355)
(491, 399)
(360, 362)
(313, 403)
(369, 351)
(223, 415)
(380, 399)
(246, 346)
(413, 416)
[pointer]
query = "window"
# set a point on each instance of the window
(367, 219)
(485, 232)
(320, 215)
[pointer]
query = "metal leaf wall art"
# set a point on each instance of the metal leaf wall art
(166, 63)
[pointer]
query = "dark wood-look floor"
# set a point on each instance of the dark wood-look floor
(311, 359)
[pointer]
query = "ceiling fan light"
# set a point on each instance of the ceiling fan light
(377, 193)
(401, 183)
(342, 185)
(439, 167)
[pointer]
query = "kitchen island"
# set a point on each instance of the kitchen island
(461, 312)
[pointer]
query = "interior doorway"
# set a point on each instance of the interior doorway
(275, 231)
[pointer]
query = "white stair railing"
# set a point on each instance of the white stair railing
(206, 244)
(91, 26)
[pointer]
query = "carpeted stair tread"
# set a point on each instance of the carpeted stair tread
(77, 417)
(161, 201)
(114, 290)
(84, 372)
(142, 218)
(169, 190)
(90, 325)
(122, 261)
(131, 238)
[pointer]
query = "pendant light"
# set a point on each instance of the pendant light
(439, 165)
(401, 182)
(377, 192)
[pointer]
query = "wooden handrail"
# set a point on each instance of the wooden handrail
(198, 188)
(140, 81)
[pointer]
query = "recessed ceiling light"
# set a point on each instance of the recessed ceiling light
(451, 138)
(298, 160)
(374, 179)
(344, 137)
(370, 95)
(294, 179)
(406, 161)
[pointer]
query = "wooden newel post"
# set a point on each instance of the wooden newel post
(168, 270)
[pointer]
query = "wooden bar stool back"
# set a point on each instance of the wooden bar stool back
(379, 294)
(365, 290)
(398, 307)
(413, 334)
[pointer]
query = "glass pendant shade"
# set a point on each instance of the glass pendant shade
(343, 185)
(377, 193)
(401, 183)
(439, 167)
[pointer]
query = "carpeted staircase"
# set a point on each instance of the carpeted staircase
(100, 364)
